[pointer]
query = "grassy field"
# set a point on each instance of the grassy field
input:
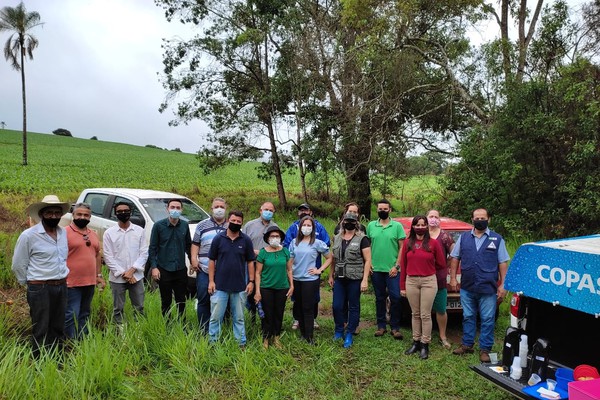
(153, 360)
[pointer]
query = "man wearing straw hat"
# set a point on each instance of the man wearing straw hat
(40, 262)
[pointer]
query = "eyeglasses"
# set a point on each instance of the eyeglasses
(121, 212)
(87, 240)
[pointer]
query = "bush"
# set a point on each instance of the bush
(62, 132)
(94, 138)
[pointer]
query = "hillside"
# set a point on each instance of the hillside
(65, 166)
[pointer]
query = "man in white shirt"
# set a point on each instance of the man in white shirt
(125, 255)
(40, 262)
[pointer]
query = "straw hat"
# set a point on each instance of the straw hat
(50, 200)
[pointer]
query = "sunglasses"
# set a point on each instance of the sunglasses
(87, 240)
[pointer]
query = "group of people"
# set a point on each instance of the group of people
(259, 266)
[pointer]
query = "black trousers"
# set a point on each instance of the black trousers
(273, 304)
(172, 284)
(47, 306)
(305, 294)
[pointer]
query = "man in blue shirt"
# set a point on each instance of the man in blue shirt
(170, 241)
(230, 277)
(483, 257)
(290, 235)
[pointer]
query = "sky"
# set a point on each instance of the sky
(95, 73)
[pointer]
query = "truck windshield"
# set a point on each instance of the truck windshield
(157, 210)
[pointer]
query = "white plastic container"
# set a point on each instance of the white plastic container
(515, 370)
(523, 351)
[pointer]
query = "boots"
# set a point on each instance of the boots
(424, 351)
(416, 346)
(348, 340)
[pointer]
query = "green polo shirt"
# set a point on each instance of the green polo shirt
(384, 244)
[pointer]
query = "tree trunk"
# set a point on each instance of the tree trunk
(24, 104)
(276, 167)
(359, 188)
(301, 169)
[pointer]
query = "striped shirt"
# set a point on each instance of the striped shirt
(205, 232)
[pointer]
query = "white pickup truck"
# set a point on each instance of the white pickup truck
(149, 206)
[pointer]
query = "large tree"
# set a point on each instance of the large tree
(18, 47)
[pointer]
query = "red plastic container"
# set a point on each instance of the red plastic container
(584, 390)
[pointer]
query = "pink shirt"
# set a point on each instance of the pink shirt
(418, 262)
(81, 259)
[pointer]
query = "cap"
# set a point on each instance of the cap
(304, 206)
(350, 217)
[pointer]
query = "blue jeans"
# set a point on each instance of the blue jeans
(346, 304)
(79, 306)
(384, 286)
(485, 304)
(218, 304)
(203, 300)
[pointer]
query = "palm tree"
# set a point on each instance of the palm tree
(20, 43)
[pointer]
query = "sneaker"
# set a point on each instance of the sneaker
(397, 334)
(316, 325)
(380, 332)
(295, 324)
(484, 356)
(463, 349)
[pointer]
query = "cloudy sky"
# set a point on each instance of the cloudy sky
(95, 73)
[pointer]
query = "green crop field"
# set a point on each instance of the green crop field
(153, 360)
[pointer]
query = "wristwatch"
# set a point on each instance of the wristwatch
(397, 267)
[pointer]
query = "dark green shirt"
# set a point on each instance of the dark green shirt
(169, 244)
(274, 272)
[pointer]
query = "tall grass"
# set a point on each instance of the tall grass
(153, 359)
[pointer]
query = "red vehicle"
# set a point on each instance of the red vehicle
(455, 228)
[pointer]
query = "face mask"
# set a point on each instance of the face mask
(218, 213)
(420, 230)
(267, 215)
(349, 226)
(124, 217)
(480, 225)
(235, 227)
(383, 214)
(81, 222)
(274, 242)
(306, 230)
(175, 214)
(433, 221)
(51, 222)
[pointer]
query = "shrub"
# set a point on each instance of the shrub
(62, 132)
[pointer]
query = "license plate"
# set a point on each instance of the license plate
(454, 305)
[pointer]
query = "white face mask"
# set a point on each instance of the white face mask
(274, 242)
(306, 230)
(218, 213)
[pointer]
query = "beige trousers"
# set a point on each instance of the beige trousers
(420, 292)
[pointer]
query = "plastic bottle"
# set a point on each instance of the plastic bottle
(523, 351)
(259, 309)
(515, 369)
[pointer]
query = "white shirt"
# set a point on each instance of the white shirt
(123, 249)
(38, 257)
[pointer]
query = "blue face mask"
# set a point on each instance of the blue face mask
(267, 215)
(173, 213)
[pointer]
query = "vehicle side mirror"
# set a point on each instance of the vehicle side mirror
(138, 220)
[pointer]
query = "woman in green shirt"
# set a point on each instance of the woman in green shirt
(274, 284)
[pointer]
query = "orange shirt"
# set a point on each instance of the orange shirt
(81, 259)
